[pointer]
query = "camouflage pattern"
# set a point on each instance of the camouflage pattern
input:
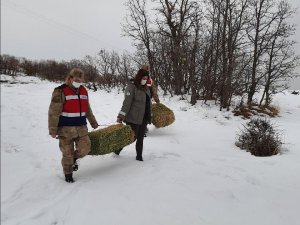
(68, 135)
(153, 87)
(154, 94)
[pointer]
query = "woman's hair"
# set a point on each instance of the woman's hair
(138, 77)
(74, 73)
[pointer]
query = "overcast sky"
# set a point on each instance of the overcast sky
(61, 29)
(68, 29)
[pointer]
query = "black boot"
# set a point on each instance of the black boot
(69, 178)
(139, 158)
(75, 165)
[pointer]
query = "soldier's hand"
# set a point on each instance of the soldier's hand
(54, 135)
(95, 126)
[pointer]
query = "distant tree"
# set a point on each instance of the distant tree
(29, 67)
(9, 65)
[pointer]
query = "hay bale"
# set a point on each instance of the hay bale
(110, 139)
(162, 115)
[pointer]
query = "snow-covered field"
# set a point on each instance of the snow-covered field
(193, 174)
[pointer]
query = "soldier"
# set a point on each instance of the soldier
(151, 85)
(67, 115)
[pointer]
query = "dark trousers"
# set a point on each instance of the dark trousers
(139, 131)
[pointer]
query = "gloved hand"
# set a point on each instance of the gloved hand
(95, 125)
(119, 120)
(53, 135)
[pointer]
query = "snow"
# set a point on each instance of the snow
(192, 172)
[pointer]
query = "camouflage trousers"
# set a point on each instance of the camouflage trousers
(74, 142)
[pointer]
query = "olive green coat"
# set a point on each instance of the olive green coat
(133, 108)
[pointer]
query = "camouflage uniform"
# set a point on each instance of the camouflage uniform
(154, 94)
(68, 135)
(152, 86)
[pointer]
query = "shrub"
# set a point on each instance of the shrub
(260, 138)
(246, 112)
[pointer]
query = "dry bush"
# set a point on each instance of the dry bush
(260, 138)
(246, 112)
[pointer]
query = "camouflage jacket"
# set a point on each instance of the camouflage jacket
(154, 94)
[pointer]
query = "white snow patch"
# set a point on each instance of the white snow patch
(192, 174)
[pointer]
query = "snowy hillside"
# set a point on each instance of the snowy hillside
(192, 173)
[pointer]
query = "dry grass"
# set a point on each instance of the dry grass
(162, 115)
(110, 139)
(246, 112)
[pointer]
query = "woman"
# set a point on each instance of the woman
(136, 109)
(67, 115)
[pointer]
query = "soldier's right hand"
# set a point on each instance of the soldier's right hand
(95, 126)
(54, 135)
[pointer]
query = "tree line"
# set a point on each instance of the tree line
(215, 49)
(105, 70)
(208, 50)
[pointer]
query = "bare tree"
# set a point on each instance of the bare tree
(137, 26)
(125, 69)
(228, 21)
(280, 58)
(258, 36)
(176, 24)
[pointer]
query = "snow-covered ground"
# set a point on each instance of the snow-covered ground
(193, 174)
